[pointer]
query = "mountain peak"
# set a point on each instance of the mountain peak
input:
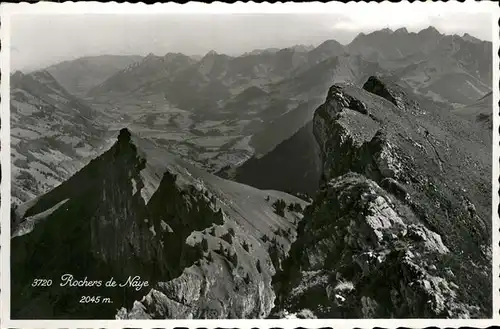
(401, 30)
(148, 57)
(387, 87)
(360, 36)
(431, 30)
(384, 31)
(212, 53)
(126, 214)
(328, 48)
(468, 37)
(17, 75)
(173, 55)
(302, 48)
(330, 43)
(124, 135)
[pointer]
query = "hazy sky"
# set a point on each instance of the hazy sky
(40, 40)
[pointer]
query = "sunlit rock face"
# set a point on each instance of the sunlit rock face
(395, 224)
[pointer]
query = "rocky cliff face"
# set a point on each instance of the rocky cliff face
(284, 168)
(398, 229)
(135, 210)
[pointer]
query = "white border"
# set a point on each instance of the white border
(5, 162)
(6, 10)
(495, 248)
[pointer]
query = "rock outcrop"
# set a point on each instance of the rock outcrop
(363, 254)
(401, 226)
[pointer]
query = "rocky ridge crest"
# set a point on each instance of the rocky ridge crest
(390, 234)
(197, 239)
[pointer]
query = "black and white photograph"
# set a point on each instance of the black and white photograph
(336, 164)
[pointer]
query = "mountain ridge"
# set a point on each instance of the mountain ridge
(136, 212)
(80, 75)
(338, 267)
(52, 133)
(397, 50)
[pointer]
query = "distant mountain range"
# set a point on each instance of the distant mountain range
(448, 68)
(253, 102)
(428, 60)
(444, 68)
(80, 75)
